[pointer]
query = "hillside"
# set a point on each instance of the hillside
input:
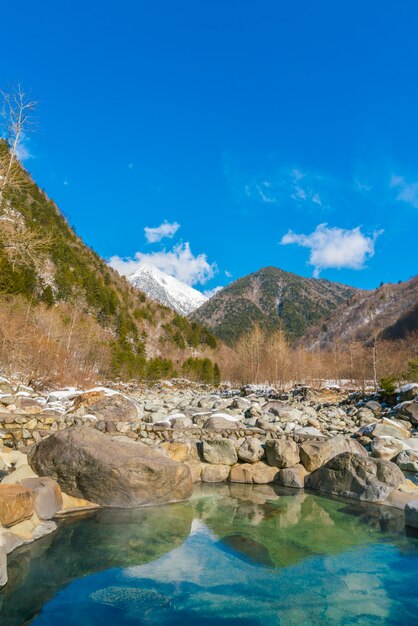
(272, 298)
(57, 294)
(389, 312)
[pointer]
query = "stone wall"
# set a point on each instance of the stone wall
(19, 429)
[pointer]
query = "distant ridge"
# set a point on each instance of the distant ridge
(274, 299)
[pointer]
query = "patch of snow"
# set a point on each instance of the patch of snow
(226, 416)
(167, 289)
(407, 387)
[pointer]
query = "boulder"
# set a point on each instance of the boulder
(312, 431)
(408, 392)
(408, 460)
(390, 428)
(258, 473)
(251, 450)
(292, 477)
(352, 475)
(181, 422)
(365, 416)
(314, 454)
(374, 406)
(113, 408)
(219, 452)
(268, 426)
(214, 473)
(408, 411)
(16, 504)
(411, 514)
(47, 496)
(386, 447)
(282, 453)
(179, 451)
(218, 422)
(282, 411)
(91, 465)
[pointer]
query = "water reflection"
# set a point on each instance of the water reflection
(234, 554)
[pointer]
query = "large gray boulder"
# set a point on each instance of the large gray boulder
(354, 476)
(89, 464)
(314, 454)
(219, 452)
(282, 453)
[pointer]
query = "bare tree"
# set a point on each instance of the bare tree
(16, 120)
(21, 245)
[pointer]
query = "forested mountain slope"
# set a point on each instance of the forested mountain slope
(274, 299)
(73, 298)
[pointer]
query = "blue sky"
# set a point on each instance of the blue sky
(257, 133)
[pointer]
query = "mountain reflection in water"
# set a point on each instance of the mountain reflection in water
(234, 554)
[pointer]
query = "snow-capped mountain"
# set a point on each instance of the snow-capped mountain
(166, 289)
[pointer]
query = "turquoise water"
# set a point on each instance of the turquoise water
(233, 555)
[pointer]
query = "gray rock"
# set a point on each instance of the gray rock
(411, 514)
(216, 422)
(353, 476)
(268, 426)
(251, 450)
(219, 452)
(115, 408)
(314, 454)
(89, 464)
(374, 406)
(257, 473)
(214, 473)
(386, 447)
(292, 477)
(391, 428)
(409, 411)
(181, 422)
(282, 453)
(407, 460)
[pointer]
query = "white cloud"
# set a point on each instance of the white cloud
(335, 247)
(264, 196)
(407, 192)
(302, 192)
(211, 292)
(179, 262)
(164, 230)
(22, 151)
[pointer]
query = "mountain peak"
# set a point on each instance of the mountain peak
(166, 289)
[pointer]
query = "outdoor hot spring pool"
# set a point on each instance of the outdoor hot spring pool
(233, 555)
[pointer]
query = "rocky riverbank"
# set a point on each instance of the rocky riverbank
(133, 446)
